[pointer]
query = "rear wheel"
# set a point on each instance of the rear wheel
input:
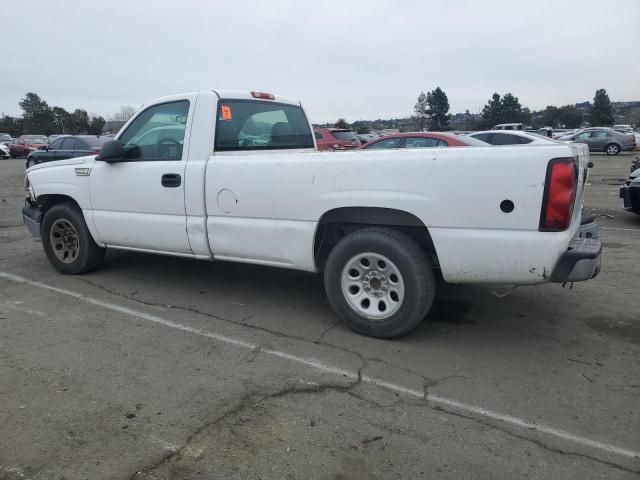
(67, 241)
(612, 149)
(380, 282)
(30, 163)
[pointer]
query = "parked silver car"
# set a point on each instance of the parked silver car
(603, 140)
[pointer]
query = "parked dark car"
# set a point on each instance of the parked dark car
(630, 193)
(21, 147)
(421, 140)
(335, 139)
(69, 146)
(604, 140)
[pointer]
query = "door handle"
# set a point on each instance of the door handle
(171, 180)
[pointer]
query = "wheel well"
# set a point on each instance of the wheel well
(337, 223)
(48, 201)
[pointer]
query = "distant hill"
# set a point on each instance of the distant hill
(624, 112)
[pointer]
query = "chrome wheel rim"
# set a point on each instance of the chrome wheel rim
(612, 149)
(372, 285)
(64, 241)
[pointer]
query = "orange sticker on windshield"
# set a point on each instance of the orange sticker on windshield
(226, 112)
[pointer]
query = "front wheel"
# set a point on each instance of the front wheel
(67, 241)
(612, 149)
(380, 282)
(30, 163)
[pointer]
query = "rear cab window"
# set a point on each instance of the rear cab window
(247, 125)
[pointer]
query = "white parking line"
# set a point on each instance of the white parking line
(620, 229)
(324, 367)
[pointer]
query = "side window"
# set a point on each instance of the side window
(318, 135)
(68, 144)
(385, 144)
(505, 139)
(482, 136)
(442, 143)
(583, 136)
(55, 145)
(261, 125)
(420, 142)
(82, 145)
(598, 134)
(157, 133)
(523, 140)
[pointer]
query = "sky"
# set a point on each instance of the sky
(352, 59)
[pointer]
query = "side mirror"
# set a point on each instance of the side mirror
(111, 151)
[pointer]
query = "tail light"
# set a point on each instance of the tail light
(263, 95)
(559, 195)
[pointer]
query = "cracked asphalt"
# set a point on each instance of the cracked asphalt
(166, 368)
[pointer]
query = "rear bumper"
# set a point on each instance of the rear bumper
(32, 218)
(583, 259)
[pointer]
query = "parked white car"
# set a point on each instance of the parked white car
(238, 178)
(4, 151)
(508, 126)
(510, 137)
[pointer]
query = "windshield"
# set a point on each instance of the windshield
(261, 125)
(344, 135)
(4, 138)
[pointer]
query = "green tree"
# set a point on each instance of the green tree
(61, 119)
(492, 112)
(78, 122)
(364, 129)
(549, 116)
(511, 109)
(11, 125)
(96, 125)
(601, 110)
(420, 115)
(37, 117)
(342, 123)
(569, 117)
(438, 110)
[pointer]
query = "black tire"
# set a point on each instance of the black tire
(30, 163)
(635, 164)
(612, 149)
(89, 255)
(411, 261)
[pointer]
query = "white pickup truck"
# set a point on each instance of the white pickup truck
(235, 175)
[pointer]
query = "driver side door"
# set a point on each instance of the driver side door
(138, 203)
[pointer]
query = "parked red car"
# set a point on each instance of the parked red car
(21, 147)
(336, 139)
(423, 140)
